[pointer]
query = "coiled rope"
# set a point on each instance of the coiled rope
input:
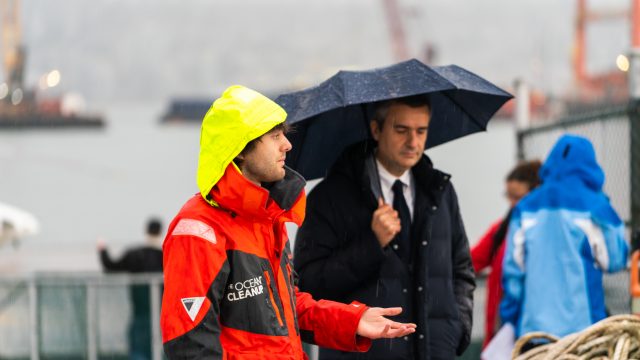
(614, 338)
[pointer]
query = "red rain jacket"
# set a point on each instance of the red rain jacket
(481, 258)
(229, 290)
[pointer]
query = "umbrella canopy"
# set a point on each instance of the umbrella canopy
(16, 223)
(336, 113)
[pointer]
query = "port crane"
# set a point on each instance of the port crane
(399, 45)
(13, 50)
(605, 86)
(21, 106)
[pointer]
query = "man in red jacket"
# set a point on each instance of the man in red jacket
(229, 288)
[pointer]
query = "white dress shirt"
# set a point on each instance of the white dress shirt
(386, 182)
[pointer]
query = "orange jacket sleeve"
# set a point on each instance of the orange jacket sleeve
(330, 324)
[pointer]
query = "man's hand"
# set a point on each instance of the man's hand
(385, 223)
(101, 244)
(374, 325)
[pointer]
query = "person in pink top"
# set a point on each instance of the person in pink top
(489, 250)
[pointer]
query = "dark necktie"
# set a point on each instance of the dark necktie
(403, 238)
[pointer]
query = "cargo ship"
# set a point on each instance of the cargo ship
(186, 111)
(50, 113)
(192, 110)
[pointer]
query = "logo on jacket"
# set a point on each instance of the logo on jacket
(192, 305)
(245, 289)
(191, 227)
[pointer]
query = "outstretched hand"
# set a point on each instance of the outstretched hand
(374, 325)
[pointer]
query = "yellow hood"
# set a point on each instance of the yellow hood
(237, 117)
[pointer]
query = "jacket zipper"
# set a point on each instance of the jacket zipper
(271, 298)
(292, 298)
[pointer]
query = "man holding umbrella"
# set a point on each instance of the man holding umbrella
(384, 227)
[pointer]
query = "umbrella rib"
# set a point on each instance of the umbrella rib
(341, 94)
(466, 112)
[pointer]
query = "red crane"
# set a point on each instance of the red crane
(399, 45)
(609, 86)
(396, 30)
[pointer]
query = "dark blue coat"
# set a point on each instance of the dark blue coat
(338, 257)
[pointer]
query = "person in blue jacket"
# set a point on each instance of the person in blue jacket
(561, 237)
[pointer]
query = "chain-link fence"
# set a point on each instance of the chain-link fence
(609, 131)
(612, 133)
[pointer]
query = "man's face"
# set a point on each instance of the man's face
(402, 138)
(265, 162)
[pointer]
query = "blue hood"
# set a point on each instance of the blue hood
(571, 179)
(573, 157)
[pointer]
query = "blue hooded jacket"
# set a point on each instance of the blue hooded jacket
(561, 237)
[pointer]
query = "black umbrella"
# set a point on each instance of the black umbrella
(336, 113)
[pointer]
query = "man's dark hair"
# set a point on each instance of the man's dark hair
(381, 108)
(252, 144)
(154, 226)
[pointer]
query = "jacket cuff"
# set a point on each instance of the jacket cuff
(337, 327)
(362, 343)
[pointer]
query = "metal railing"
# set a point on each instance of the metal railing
(74, 315)
(86, 316)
